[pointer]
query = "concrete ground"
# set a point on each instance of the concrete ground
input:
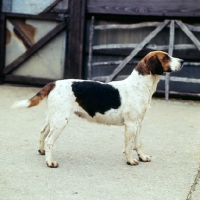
(90, 156)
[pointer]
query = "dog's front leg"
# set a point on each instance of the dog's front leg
(138, 145)
(129, 140)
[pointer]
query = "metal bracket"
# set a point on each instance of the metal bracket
(63, 17)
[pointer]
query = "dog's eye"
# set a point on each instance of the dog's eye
(166, 58)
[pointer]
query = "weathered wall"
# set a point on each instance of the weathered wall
(22, 34)
(48, 62)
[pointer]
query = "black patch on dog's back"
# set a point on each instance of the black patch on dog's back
(95, 97)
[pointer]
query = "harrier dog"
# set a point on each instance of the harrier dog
(121, 103)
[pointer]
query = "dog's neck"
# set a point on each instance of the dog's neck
(146, 83)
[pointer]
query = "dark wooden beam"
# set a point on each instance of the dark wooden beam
(41, 16)
(2, 42)
(34, 48)
(27, 80)
(145, 8)
(49, 8)
(74, 58)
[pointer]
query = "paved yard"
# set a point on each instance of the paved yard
(90, 156)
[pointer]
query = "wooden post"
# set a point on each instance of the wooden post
(2, 41)
(170, 52)
(89, 77)
(74, 49)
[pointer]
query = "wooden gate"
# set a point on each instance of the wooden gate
(39, 40)
(152, 25)
(144, 44)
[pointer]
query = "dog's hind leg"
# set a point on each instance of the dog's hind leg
(57, 124)
(43, 134)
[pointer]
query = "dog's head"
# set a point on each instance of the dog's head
(157, 63)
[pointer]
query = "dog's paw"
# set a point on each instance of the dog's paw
(52, 164)
(42, 152)
(144, 158)
(133, 162)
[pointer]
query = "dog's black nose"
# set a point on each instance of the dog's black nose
(181, 61)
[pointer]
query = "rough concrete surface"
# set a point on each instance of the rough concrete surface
(90, 156)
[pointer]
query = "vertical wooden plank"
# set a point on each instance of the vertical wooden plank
(146, 8)
(170, 52)
(2, 41)
(74, 58)
(90, 49)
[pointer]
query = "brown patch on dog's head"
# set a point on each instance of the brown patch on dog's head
(155, 63)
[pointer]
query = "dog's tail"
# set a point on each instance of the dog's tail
(35, 100)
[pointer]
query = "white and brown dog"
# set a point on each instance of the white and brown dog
(122, 103)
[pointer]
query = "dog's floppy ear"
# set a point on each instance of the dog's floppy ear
(154, 65)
